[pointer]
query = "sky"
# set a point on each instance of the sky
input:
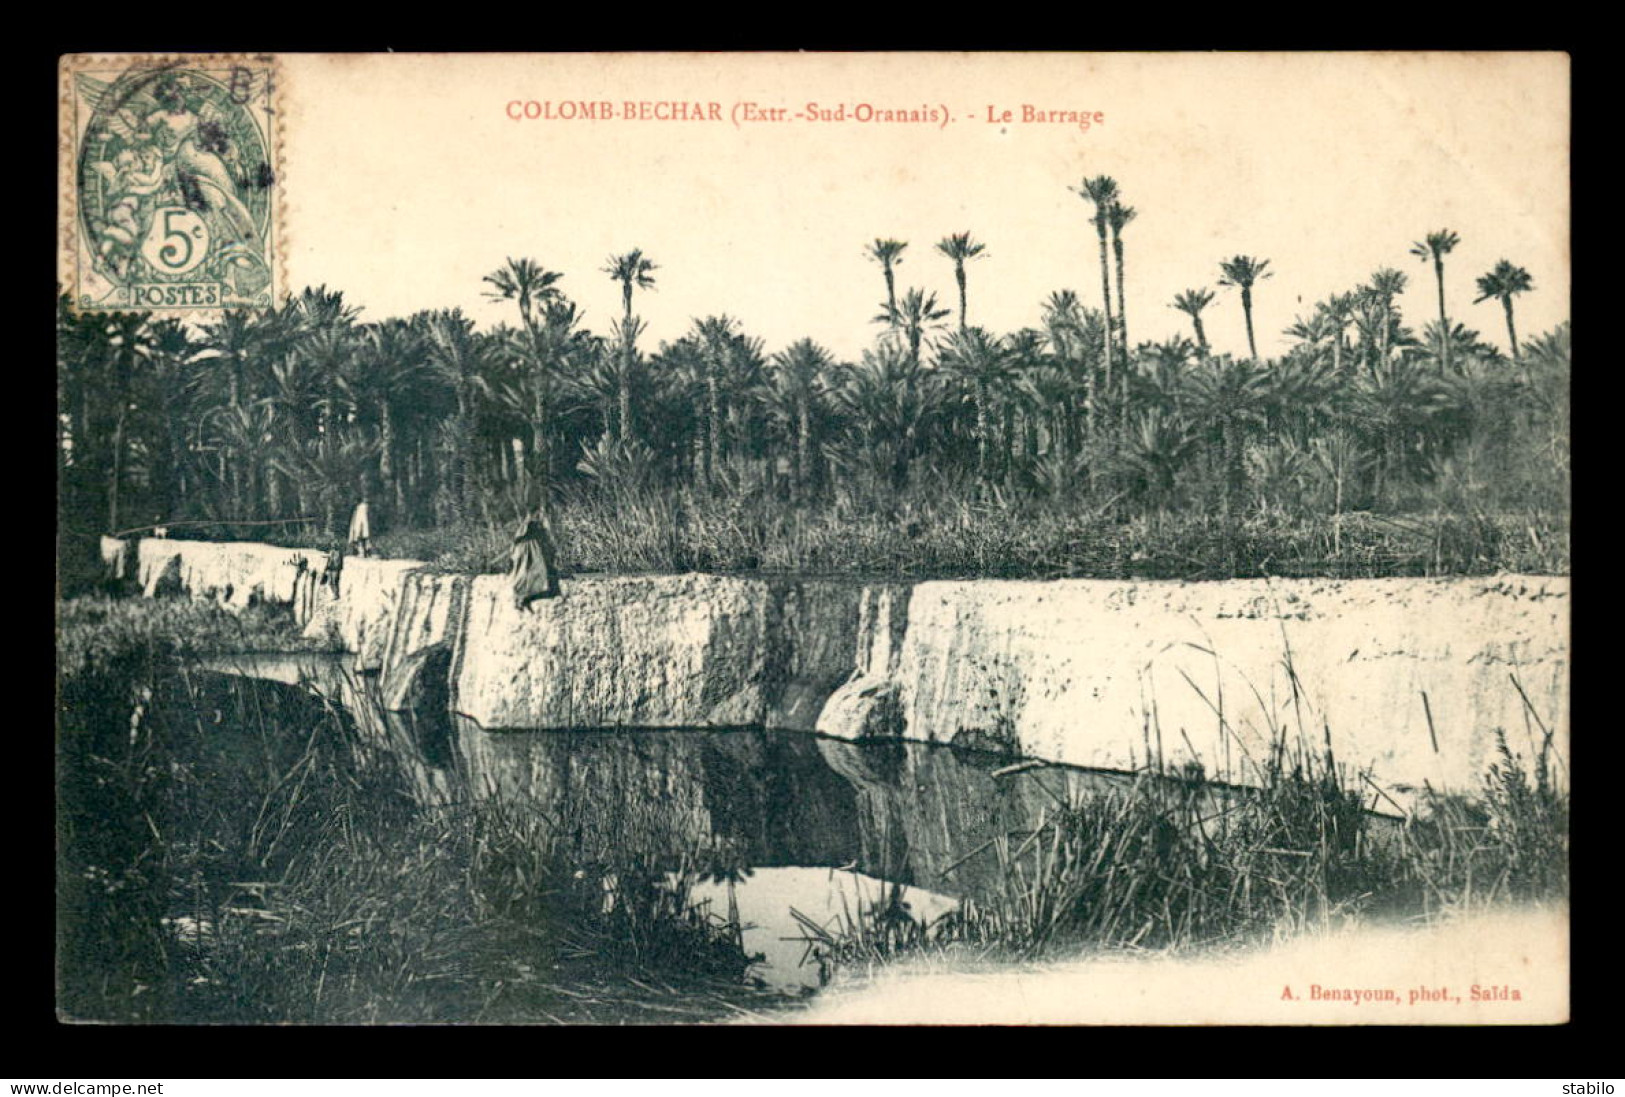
(406, 180)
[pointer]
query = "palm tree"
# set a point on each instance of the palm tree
(328, 352)
(1311, 333)
(1396, 408)
(249, 432)
(319, 307)
(323, 340)
(1503, 282)
(960, 248)
(1066, 323)
(1102, 191)
(1048, 392)
(1281, 470)
(533, 288)
(716, 334)
(917, 314)
(130, 338)
(323, 469)
(1552, 352)
(1340, 461)
(593, 382)
(632, 270)
(231, 343)
(983, 361)
(84, 359)
(558, 356)
(1457, 344)
(526, 282)
(1546, 367)
(1338, 310)
(292, 394)
(1230, 396)
(888, 405)
(623, 335)
(79, 339)
(1476, 407)
(678, 383)
(1435, 246)
(171, 349)
(458, 355)
(1241, 272)
(798, 378)
(1191, 302)
(1155, 450)
(1164, 384)
(744, 383)
(1027, 361)
(392, 363)
(1386, 284)
(241, 342)
(1303, 391)
(1120, 216)
(1063, 323)
(888, 253)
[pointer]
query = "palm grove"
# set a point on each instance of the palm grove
(1060, 448)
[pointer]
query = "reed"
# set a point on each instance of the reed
(241, 852)
(1171, 860)
(933, 532)
(96, 630)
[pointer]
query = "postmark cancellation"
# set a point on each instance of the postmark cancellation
(170, 183)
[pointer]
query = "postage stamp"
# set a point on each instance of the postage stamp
(170, 183)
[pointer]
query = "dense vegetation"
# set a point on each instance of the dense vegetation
(238, 851)
(1164, 863)
(713, 450)
(93, 632)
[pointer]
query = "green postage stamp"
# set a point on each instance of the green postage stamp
(171, 183)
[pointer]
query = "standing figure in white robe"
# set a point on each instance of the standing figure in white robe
(360, 537)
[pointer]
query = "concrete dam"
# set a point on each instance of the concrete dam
(1407, 680)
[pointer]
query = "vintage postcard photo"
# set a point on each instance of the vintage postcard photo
(766, 539)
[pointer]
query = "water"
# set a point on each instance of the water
(236, 825)
(801, 823)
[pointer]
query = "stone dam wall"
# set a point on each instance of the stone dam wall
(1409, 678)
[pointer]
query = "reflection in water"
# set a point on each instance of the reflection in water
(829, 898)
(915, 813)
(776, 819)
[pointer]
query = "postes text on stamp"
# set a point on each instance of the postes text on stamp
(171, 193)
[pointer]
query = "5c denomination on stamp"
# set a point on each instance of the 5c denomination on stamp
(170, 183)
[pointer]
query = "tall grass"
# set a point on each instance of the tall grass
(1167, 860)
(96, 631)
(1170, 861)
(940, 533)
(241, 852)
(1509, 843)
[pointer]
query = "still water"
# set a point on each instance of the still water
(806, 825)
